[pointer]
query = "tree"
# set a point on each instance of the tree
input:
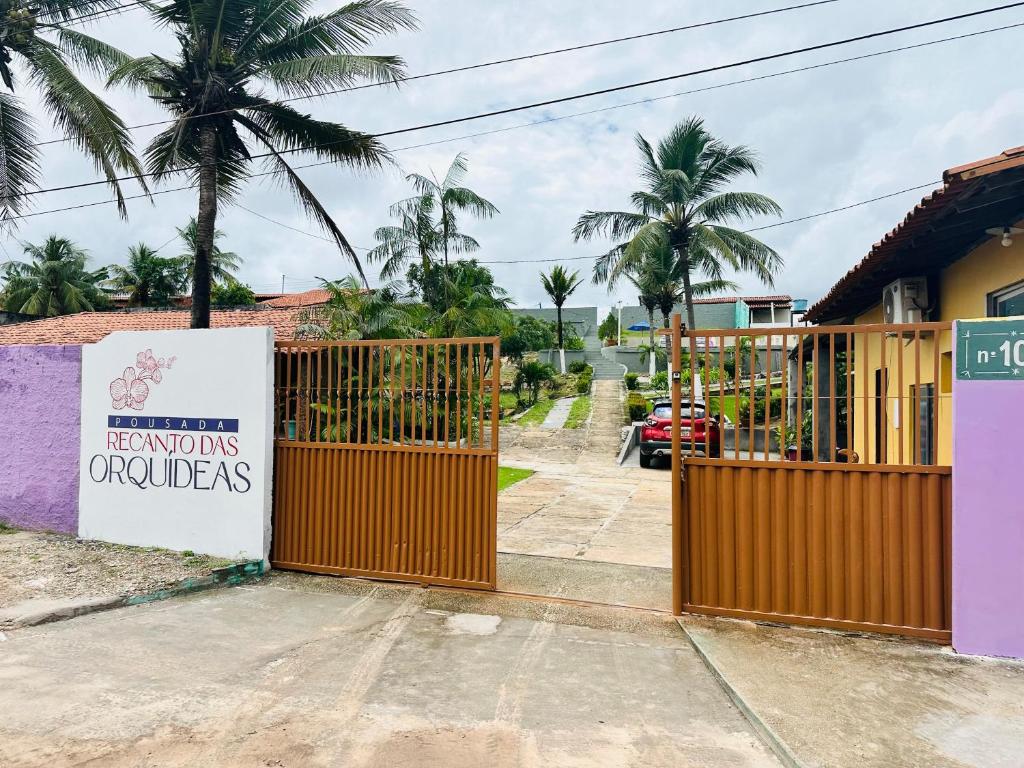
(227, 51)
(148, 279)
(609, 327)
(533, 375)
(472, 306)
(39, 47)
(232, 294)
(428, 226)
(55, 281)
(223, 264)
(560, 285)
(353, 312)
(683, 207)
(526, 334)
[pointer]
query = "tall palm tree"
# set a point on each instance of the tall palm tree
(428, 222)
(560, 285)
(148, 279)
(448, 197)
(55, 281)
(229, 50)
(684, 205)
(37, 46)
(474, 305)
(223, 264)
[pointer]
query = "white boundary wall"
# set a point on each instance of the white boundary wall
(177, 443)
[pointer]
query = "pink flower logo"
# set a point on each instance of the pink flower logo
(131, 389)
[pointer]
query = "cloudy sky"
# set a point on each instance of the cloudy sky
(827, 138)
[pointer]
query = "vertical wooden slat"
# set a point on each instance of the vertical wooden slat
(693, 387)
(721, 394)
(916, 459)
(936, 394)
(832, 397)
(751, 396)
(900, 399)
(434, 391)
(883, 400)
(800, 396)
(848, 357)
(480, 406)
(736, 396)
(815, 409)
(867, 377)
(706, 372)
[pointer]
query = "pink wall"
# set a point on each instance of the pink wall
(40, 410)
(988, 517)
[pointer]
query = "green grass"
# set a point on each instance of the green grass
(5, 528)
(510, 476)
(579, 413)
(729, 401)
(536, 415)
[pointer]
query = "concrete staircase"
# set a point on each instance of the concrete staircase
(603, 367)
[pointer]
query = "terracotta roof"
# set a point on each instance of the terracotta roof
(764, 301)
(90, 327)
(943, 227)
(751, 301)
(304, 299)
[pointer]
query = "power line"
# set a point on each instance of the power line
(98, 15)
(563, 99)
(470, 67)
(559, 118)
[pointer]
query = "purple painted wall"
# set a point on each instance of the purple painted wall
(988, 518)
(40, 413)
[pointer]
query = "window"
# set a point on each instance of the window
(662, 411)
(1007, 302)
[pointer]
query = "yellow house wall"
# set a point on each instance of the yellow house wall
(963, 293)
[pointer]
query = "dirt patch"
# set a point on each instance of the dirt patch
(49, 566)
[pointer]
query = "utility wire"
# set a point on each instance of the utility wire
(470, 67)
(561, 100)
(556, 119)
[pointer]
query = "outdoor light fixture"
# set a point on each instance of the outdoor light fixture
(1007, 234)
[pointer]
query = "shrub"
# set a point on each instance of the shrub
(577, 366)
(631, 379)
(660, 381)
(636, 407)
(232, 295)
(583, 382)
(574, 343)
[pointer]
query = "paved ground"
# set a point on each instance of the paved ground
(582, 505)
(558, 414)
(45, 572)
(283, 674)
(859, 701)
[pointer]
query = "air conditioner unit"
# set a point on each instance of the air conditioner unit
(905, 300)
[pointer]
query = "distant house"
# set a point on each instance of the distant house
(958, 254)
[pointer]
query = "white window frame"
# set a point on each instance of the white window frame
(1009, 292)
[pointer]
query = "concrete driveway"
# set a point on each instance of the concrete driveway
(313, 671)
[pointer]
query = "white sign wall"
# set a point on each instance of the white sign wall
(177, 447)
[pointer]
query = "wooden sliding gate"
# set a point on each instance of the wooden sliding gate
(386, 459)
(829, 504)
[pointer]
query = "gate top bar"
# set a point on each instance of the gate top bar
(303, 343)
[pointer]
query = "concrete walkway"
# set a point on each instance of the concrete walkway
(319, 671)
(584, 506)
(558, 414)
(848, 701)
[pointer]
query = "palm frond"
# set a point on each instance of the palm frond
(19, 157)
(312, 75)
(615, 225)
(89, 53)
(735, 205)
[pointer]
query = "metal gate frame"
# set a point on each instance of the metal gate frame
(386, 464)
(814, 542)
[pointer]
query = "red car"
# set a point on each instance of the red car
(698, 430)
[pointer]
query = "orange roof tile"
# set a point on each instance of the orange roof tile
(90, 327)
(304, 299)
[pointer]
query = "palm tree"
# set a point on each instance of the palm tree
(428, 224)
(38, 46)
(560, 285)
(353, 312)
(228, 51)
(54, 282)
(448, 197)
(473, 305)
(223, 264)
(412, 239)
(683, 206)
(148, 279)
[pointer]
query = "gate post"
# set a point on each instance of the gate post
(679, 577)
